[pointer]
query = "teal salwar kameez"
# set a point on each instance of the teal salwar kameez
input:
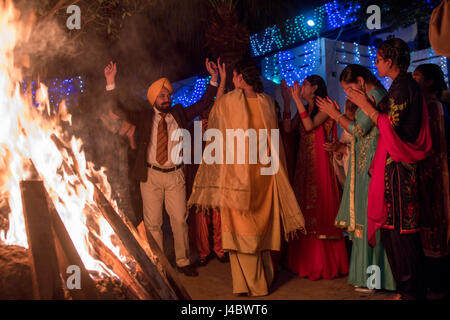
(352, 215)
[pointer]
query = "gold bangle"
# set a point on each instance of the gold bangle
(339, 118)
(376, 111)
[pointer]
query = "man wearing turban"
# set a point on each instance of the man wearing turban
(161, 180)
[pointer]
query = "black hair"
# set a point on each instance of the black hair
(321, 91)
(398, 51)
(353, 71)
(250, 74)
(431, 71)
(350, 106)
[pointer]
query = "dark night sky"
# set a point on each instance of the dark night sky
(148, 50)
(170, 42)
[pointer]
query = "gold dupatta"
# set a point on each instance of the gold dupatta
(228, 185)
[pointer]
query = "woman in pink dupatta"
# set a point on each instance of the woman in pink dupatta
(322, 252)
(404, 141)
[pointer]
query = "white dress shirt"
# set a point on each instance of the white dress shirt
(172, 125)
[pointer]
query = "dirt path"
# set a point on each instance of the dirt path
(214, 283)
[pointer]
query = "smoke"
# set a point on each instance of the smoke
(149, 46)
(45, 48)
(147, 51)
(42, 42)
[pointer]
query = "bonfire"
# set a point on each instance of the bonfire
(56, 211)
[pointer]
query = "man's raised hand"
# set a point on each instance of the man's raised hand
(222, 71)
(212, 69)
(110, 73)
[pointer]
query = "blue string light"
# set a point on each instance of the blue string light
(285, 65)
(432, 57)
(67, 89)
(190, 94)
(338, 15)
(357, 53)
(297, 29)
(269, 40)
(297, 64)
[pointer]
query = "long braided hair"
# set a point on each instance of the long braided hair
(250, 74)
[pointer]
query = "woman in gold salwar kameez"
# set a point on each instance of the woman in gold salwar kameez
(253, 206)
(258, 230)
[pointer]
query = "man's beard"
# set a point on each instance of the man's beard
(164, 108)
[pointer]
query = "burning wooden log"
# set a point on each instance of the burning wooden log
(150, 246)
(46, 281)
(52, 250)
(110, 259)
(134, 248)
(146, 254)
(68, 256)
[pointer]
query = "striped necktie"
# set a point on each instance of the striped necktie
(163, 138)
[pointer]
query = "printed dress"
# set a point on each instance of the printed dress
(352, 215)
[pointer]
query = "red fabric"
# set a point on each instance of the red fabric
(304, 114)
(201, 234)
(389, 142)
(327, 204)
(290, 143)
(319, 200)
(315, 259)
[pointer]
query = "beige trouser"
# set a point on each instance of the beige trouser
(170, 188)
(251, 273)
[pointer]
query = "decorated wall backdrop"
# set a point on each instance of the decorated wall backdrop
(328, 58)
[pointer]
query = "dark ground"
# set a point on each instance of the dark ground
(214, 282)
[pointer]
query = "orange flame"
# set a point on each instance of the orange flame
(25, 135)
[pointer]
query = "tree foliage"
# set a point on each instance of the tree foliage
(156, 28)
(102, 17)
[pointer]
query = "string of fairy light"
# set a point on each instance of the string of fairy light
(340, 14)
(291, 65)
(60, 89)
(298, 63)
(302, 28)
(190, 94)
(353, 55)
(357, 53)
(431, 57)
(330, 16)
